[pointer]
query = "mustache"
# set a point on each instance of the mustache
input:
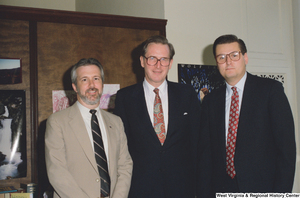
(92, 89)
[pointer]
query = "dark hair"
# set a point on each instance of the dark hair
(158, 39)
(85, 62)
(229, 38)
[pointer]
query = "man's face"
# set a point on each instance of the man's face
(231, 70)
(156, 74)
(89, 86)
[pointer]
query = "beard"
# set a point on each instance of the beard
(87, 100)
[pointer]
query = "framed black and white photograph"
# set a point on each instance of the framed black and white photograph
(13, 158)
(10, 70)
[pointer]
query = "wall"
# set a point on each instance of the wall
(47, 4)
(140, 8)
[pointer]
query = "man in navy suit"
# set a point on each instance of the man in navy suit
(164, 164)
(261, 155)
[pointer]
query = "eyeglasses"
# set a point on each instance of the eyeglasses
(234, 56)
(152, 60)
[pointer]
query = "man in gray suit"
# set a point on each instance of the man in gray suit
(70, 158)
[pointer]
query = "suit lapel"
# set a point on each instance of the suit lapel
(78, 127)
(220, 116)
(110, 133)
(173, 111)
(140, 107)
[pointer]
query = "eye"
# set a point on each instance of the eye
(235, 54)
(151, 58)
(221, 57)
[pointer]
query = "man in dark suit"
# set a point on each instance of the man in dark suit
(250, 125)
(163, 157)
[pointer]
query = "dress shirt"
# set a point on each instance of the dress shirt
(240, 89)
(87, 116)
(150, 96)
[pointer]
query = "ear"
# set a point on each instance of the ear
(142, 61)
(74, 87)
(246, 58)
(171, 62)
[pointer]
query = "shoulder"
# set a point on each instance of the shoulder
(130, 89)
(262, 83)
(180, 87)
(65, 112)
(109, 115)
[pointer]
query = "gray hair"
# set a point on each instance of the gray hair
(85, 62)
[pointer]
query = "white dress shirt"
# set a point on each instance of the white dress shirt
(87, 116)
(150, 97)
(240, 89)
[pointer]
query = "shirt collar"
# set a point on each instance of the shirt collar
(84, 110)
(240, 85)
(149, 88)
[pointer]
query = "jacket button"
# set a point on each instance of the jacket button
(97, 180)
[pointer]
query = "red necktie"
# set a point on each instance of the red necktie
(159, 124)
(232, 133)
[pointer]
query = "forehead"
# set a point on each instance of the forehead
(227, 48)
(157, 49)
(88, 70)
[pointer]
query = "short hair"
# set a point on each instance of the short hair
(85, 62)
(229, 38)
(158, 39)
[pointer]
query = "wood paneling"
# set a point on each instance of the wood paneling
(49, 42)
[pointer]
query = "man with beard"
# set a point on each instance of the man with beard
(86, 147)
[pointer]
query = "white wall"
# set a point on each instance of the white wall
(140, 8)
(47, 4)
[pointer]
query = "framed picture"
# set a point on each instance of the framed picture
(10, 70)
(13, 158)
(204, 78)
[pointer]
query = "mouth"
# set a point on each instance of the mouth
(92, 91)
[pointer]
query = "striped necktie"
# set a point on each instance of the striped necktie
(100, 155)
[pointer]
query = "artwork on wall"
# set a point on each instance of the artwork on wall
(10, 71)
(13, 158)
(204, 78)
(62, 99)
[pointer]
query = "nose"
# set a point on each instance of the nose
(92, 84)
(228, 59)
(158, 64)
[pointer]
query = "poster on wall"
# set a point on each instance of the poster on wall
(62, 99)
(13, 158)
(204, 78)
(10, 71)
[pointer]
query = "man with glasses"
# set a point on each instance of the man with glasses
(251, 127)
(161, 120)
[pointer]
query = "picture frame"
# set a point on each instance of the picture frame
(10, 71)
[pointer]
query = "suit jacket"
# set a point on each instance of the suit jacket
(168, 170)
(70, 158)
(265, 147)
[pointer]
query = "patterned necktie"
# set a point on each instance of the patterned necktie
(100, 155)
(232, 133)
(159, 124)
